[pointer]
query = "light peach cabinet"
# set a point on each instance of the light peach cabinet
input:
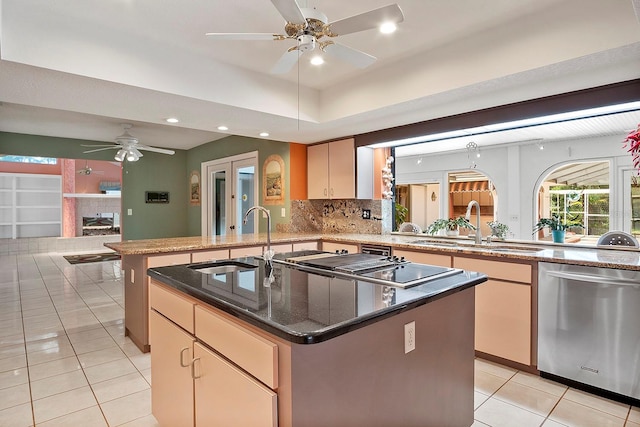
(227, 396)
(503, 308)
(424, 257)
(172, 392)
(331, 169)
(207, 370)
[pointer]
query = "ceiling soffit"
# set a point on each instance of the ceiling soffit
(83, 50)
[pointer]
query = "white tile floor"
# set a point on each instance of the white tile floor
(64, 360)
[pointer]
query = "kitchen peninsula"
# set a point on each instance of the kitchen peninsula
(311, 348)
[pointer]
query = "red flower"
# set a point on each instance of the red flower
(633, 143)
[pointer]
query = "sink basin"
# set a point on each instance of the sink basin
(492, 247)
(222, 267)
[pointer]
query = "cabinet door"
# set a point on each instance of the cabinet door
(424, 257)
(342, 170)
(226, 396)
(318, 171)
(172, 391)
(503, 320)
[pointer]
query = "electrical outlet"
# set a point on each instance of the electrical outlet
(283, 212)
(129, 211)
(366, 213)
(409, 337)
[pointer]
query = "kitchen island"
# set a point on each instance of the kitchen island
(311, 349)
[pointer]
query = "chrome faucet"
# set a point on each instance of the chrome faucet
(268, 254)
(468, 216)
(266, 212)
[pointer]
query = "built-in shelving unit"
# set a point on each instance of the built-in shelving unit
(30, 205)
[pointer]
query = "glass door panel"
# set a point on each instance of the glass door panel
(244, 177)
(218, 199)
(232, 188)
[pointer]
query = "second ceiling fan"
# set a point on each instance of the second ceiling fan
(309, 27)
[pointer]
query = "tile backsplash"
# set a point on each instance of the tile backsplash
(339, 216)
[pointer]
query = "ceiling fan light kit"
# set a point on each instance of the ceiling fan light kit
(309, 26)
(128, 147)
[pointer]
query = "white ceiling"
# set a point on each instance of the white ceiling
(78, 68)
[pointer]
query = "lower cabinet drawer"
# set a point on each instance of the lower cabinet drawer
(227, 396)
(172, 306)
(163, 260)
(251, 352)
(245, 251)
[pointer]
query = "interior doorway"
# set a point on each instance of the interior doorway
(229, 189)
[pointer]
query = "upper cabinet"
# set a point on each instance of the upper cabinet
(331, 170)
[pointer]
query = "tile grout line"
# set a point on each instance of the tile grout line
(24, 341)
(70, 343)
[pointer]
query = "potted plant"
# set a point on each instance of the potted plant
(401, 214)
(557, 226)
(451, 226)
(498, 229)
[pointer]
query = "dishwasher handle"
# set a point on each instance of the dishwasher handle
(593, 279)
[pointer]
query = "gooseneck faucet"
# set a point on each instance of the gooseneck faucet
(468, 216)
(268, 254)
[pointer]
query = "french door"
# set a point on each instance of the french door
(229, 189)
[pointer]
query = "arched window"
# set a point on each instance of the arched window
(578, 195)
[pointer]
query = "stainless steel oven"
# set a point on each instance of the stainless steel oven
(589, 326)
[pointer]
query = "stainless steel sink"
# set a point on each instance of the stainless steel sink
(222, 267)
(489, 247)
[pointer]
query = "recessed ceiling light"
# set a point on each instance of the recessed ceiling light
(264, 133)
(172, 120)
(388, 28)
(223, 128)
(317, 60)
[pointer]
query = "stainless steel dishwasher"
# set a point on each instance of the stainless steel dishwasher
(589, 326)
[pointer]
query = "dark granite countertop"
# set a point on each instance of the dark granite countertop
(304, 307)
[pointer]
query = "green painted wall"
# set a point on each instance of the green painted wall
(158, 172)
(231, 146)
(153, 172)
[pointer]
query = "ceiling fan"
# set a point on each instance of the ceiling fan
(128, 147)
(309, 27)
(87, 170)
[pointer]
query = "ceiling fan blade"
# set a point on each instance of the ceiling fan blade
(286, 61)
(290, 11)
(367, 20)
(99, 145)
(348, 54)
(155, 150)
(245, 36)
(102, 149)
